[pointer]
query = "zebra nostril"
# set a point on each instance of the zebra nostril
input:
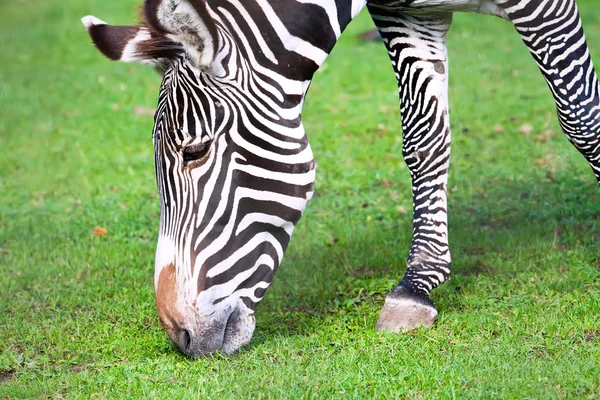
(185, 340)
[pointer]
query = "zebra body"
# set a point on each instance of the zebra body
(235, 170)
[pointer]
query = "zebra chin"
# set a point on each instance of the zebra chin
(201, 330)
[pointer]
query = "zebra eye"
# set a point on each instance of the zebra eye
(195, 152)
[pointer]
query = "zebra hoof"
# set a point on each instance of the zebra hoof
(404, 311)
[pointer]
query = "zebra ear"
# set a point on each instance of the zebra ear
(187, 22)
(130, 43)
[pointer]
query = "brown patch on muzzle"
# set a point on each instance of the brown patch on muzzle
(166, 301)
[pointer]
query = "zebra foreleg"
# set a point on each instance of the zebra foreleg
(553, 33)
(417, 49)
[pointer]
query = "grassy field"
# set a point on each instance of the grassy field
(520, 317)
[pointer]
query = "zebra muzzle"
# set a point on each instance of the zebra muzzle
(225, 332)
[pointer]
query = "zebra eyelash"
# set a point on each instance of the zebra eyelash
(195, 152)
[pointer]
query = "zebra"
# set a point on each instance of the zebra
(235, 170)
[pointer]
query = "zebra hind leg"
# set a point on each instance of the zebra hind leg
(553, 33)
(417, 49)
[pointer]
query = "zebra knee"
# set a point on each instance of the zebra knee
(583, 131)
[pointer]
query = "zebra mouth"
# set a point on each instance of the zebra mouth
(226, 338)
(230, 332)
(238, 331)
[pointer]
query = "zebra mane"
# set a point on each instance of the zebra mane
(158, 45)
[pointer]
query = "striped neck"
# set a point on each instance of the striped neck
(284, 41)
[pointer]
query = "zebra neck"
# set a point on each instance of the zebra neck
(269, 51)
(289, 37)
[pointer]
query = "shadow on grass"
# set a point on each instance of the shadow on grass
(499, 229)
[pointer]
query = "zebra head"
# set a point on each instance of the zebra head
(234, 168)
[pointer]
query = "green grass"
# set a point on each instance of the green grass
(520, 317)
